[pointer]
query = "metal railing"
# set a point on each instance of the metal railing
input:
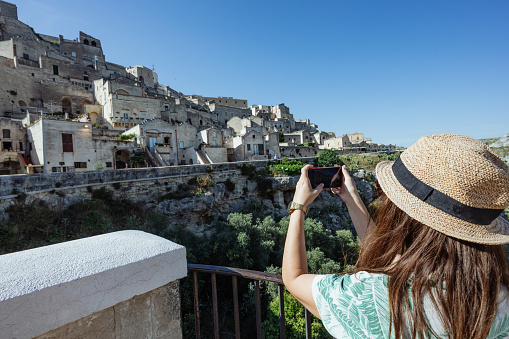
(256, 276)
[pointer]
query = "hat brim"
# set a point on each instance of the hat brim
(496, 233)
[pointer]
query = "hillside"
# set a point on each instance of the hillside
(500, 145)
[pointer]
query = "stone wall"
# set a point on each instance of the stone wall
(144, 185)
(8, 10)
(117, 285)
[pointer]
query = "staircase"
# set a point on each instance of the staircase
(203, 157)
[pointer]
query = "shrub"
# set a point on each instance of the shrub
(125, 137)
(329, 158)
(247, 169)
(286, 167)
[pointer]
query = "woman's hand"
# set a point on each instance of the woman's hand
(356, 208)
(348, 190)
(304, 193)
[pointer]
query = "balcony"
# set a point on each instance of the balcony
(124, 285)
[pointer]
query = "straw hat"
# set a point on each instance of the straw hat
(453, 184)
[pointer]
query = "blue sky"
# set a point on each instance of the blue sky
(395, 70)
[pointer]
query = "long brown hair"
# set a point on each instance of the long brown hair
(462, 279)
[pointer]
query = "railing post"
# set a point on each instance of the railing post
(258, 310)
(214, 305)
(281, 296)
(308, 323)
(236, 307)
(196, 306)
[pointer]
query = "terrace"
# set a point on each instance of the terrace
(124, 284)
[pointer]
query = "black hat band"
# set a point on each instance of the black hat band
(437, 199)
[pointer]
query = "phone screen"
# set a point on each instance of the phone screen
(329, 176)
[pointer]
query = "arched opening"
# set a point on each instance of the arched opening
(66, 105)
(85, 42)
(94, 44)
(142, 79)
(201, 123)
(122, 159)
(122, 92)
(90, 66)
(85, 102)
(93, 117)
(190, 161)
(22, 103)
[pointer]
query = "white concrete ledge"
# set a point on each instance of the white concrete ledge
(44, 288)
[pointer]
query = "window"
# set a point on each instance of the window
(248, 147)
(73, 54)
(143, 117)
(80, 165)
(55, 69)
(7, 133)
(181, 144)
(231, 114)
(213, 143)
(109, 164)
(61, 163)
(25, 56)
(67, 142)
(214, 135)
(220, 113)
(254, 136)
(166, 107)
(7, 145)
(125, 103)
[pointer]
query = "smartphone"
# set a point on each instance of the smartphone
(329, 176)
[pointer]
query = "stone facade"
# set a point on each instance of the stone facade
(13, 144)
(155, 314)
(66, 146)
(70, 79)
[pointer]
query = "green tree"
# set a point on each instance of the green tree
(138, 158)
(295, 323)
(281, 137)
(328, 158)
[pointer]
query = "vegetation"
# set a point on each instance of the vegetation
(329, 158)
(126, 137)
(285, 167)
(138, 158)
(195, 186)
(252, 239)
(355, 162)
(281, 137)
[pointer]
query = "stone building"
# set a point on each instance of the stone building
(148, 77)
(319, 137)
(298, 137)
(306, 124)
(225, 113)
(66, 146)
(167, 144)
(13, 143)
(253, 145)
(222, 101)
(337, 142)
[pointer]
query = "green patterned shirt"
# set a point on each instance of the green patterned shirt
(357, 306)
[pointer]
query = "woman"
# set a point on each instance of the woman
(432, 263)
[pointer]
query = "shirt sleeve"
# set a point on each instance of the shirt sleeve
(353, 306)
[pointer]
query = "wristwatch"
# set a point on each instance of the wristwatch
(296, 206)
